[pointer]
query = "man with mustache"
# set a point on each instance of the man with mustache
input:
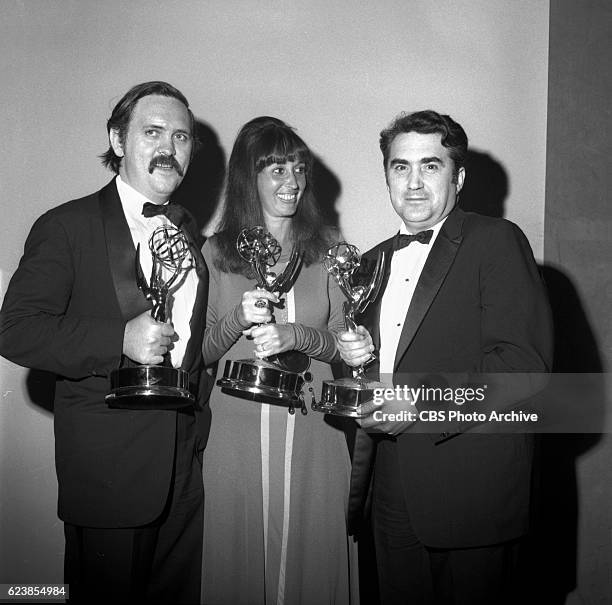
(130, 487)
(461, 301)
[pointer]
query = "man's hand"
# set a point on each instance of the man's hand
(146, 340)
(356, 347)
(392, 417)
(272, 339)
(255, 307)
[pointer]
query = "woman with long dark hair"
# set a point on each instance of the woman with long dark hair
(276, 484)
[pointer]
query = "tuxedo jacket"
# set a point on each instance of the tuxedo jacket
(479, 307)
(65, 312)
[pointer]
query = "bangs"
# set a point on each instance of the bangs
(280, 146)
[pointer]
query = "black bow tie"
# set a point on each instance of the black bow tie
(402, 240)
(174, 212)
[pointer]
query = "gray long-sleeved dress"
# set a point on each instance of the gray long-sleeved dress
(276, 485)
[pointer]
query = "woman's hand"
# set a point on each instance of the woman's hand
(272, 339)
(255, 307)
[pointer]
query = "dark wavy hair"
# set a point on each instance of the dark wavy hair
(122, 114)
(261, 142)
(453, 136)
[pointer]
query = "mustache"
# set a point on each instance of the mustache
(165, 161)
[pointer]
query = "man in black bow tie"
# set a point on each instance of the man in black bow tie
(130, 489)
(462, 297)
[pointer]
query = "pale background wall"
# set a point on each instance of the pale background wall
(336, 71)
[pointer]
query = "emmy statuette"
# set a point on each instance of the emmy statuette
(278, 379)
(343, 397)
(156, 386)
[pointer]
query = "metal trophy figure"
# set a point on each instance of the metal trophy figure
(277, 379)
(156, 386)
(343, 397)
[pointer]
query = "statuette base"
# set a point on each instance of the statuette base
(344, 397)
(149, 387)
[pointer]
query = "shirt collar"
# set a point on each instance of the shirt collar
(131, 200)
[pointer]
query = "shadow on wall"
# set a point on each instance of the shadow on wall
(486, 185)
(326, 188)
(201, 188)
(555, 507)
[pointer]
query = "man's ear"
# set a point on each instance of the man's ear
(460, 179)
(115, 142)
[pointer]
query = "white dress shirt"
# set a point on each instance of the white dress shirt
(183, 293)
(406, 267)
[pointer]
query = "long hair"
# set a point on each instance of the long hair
(452, 135)
(122, 114)
(261, 142)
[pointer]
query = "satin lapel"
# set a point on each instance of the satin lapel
(371, 318)
(193, 351)
(435, 270)
(121, 254)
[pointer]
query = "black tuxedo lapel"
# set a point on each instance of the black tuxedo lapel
(371, 318)
(121, 254)
(436, 267)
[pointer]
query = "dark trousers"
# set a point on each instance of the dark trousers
(157, 563)
(410, 572)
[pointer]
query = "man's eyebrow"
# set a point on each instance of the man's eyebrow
(434, 159)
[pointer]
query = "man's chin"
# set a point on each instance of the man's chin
(417, 220)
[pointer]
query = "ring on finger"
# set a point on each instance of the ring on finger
(261, 303)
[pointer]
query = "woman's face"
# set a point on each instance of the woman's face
(280, 188)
